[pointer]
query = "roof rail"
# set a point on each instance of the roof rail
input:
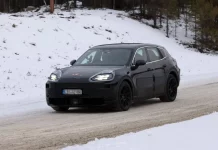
(116, 44)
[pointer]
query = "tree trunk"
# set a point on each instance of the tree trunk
(175, 28)
(195, 38)
(160, 18)
(144, 4)
(133, 3)
(167, 27)
(155, 18)
(51, 6)
(186, 22)
(101, 3)
(114, 4)
(141, 11)
(75, 6)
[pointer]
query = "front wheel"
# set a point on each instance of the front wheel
(171, 89)
(60, 109)
(124, 99)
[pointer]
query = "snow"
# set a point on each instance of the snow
(33, 44)
(196, 134)
(180, 35)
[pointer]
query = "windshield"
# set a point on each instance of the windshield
(104, 57)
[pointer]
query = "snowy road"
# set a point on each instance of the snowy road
(50, 130)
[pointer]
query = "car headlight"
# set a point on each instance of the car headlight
(55, 76)
(103, 76)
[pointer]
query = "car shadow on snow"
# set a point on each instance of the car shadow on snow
(146, 102)
(95, 110)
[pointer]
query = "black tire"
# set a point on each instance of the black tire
(124, 97)
(171, 89)
(61, 109)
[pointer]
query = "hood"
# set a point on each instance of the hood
(81, 74)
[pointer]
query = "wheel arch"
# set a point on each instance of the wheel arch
(172, 72)
(129, 81)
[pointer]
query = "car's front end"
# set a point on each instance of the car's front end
(92, 80)
(77, 89)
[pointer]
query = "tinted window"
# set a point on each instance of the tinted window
(154, 54)
(105, 57)
(140, 55)
(163, 51)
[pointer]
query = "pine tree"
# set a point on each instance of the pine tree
(170, 11)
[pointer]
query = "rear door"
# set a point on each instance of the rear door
(143, 76)
(157, 59)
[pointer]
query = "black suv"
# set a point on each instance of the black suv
(115, 75)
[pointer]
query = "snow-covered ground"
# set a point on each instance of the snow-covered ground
(32, 45)
(176, 29)
(196, 134)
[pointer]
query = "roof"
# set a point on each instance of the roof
(125, 45)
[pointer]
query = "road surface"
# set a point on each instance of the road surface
(51, 130)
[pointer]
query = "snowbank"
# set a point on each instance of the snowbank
(197, 134)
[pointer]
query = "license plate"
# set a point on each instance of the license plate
(72, 92)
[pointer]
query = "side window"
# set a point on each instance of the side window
(154, 54)
(140, 55)
(162, 51)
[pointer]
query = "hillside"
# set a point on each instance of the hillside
(32, 45)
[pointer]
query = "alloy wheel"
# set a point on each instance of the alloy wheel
(125, 97)
(172, 88)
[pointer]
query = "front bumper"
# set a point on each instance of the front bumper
(94, 94)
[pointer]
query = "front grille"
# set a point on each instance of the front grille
(76, 101)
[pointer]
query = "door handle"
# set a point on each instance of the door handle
(149, 69)
(164, 66)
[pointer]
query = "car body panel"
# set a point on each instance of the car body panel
(147, 81)
(143, 81)
(160, 76)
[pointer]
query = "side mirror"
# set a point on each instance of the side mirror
(140, 63)
(137, 64)
(72, 62)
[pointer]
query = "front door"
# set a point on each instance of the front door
(143, 76)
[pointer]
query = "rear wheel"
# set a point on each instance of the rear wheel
(124, 100)
(60, 109)
(171, 89)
